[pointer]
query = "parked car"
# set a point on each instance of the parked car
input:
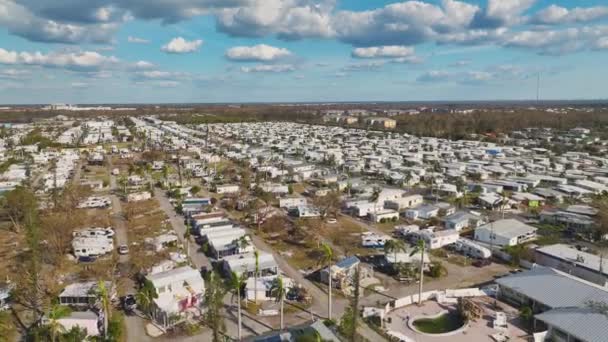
(129, 304)
(482, 262)
(123, 249)
(86, 259)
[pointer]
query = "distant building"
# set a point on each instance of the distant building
(382, 122)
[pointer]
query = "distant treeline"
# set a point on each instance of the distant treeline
(448, 125)
(445, 124)
(458, 126)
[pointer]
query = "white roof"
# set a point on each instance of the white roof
(574, 256)
(176, 276)
(246, 262)
(508, 228)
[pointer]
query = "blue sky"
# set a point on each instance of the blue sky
(151, 51)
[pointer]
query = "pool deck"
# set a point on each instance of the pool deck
(479, 330)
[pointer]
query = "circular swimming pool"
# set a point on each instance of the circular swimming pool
(443, 323)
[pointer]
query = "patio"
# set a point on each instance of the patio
(480, 329)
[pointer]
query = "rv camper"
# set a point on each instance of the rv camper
(472, 249)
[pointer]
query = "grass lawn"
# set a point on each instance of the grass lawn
(388, 227)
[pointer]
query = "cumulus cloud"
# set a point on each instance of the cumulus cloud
(554, 15)
(77, 61)
(288, 19)
(256, 53)
(393, 51)
(20, 20)
(558, 42)
(142, 65)
(137, 40)
(501, 13)
(271, 68)
(403, 24)
(179, 45)
(601, 43)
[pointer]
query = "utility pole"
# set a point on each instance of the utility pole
(538, 87)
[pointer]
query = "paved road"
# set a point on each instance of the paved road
(177, 222)
(135, 330)
(250, 325)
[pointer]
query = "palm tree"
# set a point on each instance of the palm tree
(236, 284)
(242, 243)
(256, 254)
(104, 299)
(278, 291)
(187, 234)
(214, 297)
(122, 181)
(54, 327)
(165, 172)
(326, 258)
(146, 295)
(420, 248)
(394, 246)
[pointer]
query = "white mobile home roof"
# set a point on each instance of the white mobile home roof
(509, 228)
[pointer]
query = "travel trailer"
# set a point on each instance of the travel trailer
(472, 249)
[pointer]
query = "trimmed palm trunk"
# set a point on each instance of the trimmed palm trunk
(329, 301)
(282, 301)
(421, 274)
(238, 294)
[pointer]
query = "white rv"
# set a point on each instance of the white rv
(472, 249)
(371, 240)
(91, 246)
(94, 232)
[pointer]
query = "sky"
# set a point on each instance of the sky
(176, 51)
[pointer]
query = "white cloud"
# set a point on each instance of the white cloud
(496, 74)
(433, 76)
(259, 53)
(367, 66)
(179, 45)
(555, 15)
(392, 51)
(14, 74)
(137, 40)
(142, 65)
(403, 23)
(558, 42)
(157, 74)
(288, 19)
(408, 60)
(21, 21)
(79, 85)
(274, 68)
(501, 13)
(601, 43)
(79, 61)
